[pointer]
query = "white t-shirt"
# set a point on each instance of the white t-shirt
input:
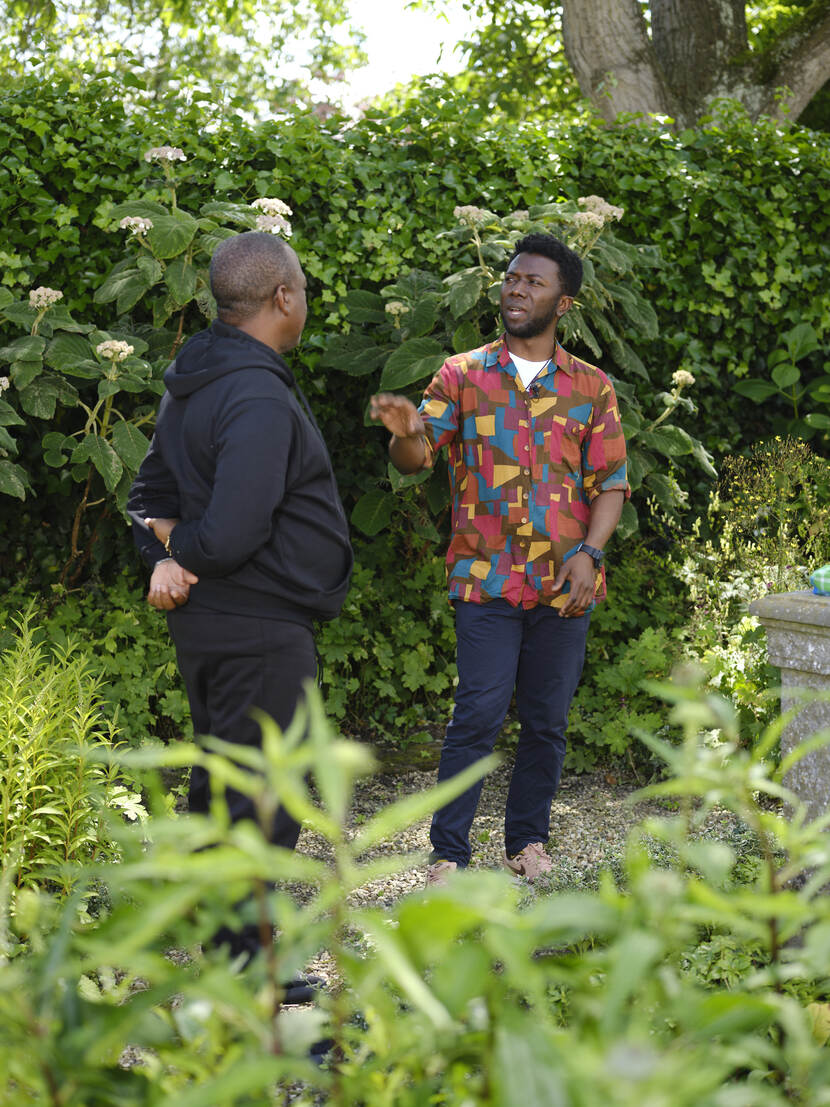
(528, 370)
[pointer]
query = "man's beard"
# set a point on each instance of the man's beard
(533, 325)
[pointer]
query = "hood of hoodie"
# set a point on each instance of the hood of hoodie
(217, 351)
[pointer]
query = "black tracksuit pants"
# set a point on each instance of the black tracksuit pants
(229, 664)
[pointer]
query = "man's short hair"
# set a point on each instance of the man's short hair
(247, 269)
(570, 263)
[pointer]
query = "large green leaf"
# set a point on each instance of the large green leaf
(171, 234)
(13, 480)
(801, 340)
(400, 481)
(365, 307)
(96, 449)
(354, 354)
(7, 443)
(70, 353)
(669, 440)
(121, 280)
(24, 372)
(145, 209)
(180, 278)
(629, 523)
(28, 348)
(373, 511)
(130, 444)
(240, 214)
(151, 268)
(42, 396)
(465, 289)
(8, 416)
(755, 389)
(413, 361)
(423, 316)
(786, 375)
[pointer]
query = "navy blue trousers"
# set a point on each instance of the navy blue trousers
(501, 648)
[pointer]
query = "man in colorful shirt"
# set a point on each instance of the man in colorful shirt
(538, 479)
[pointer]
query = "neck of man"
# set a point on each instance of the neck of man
(539, 348)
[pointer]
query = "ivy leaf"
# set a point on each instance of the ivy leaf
(6, 298)
(412, 361)
(96, 449)
(130, 444)
(171, 234)
(180, 278)
(373, 511)
(13, 480)
(54, 443)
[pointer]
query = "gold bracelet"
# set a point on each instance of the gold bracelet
(166, 544)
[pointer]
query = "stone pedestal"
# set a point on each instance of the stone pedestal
(798, 642)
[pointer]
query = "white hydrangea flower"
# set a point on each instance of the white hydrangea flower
(164, 153)
(274, 224)
(470, 214)
(135, 224)
(113, 350)
(4, 383)
(588, 219)
(682, 378)
(599, 206)
(270, 205)
(43, 297)
(396, 307)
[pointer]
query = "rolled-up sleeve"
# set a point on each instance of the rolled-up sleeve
(604, 461)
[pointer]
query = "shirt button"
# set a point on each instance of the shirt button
(524, 518)
(526, 472)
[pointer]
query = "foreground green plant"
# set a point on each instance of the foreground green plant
(53, 796)
(462, 995)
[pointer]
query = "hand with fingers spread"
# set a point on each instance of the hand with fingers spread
(400, 416)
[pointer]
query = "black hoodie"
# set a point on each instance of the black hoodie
(238, 459)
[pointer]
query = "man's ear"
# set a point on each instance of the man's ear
(280, 299)
(565, 304)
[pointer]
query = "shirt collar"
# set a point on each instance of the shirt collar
(561, 358)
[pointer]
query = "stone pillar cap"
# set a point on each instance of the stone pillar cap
(793, 607)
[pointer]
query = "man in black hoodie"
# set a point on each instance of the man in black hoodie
(247, 540)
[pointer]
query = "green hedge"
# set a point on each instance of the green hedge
(738, 210)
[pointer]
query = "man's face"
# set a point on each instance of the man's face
(531, 296)
(298, 307)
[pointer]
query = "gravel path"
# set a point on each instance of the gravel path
(590, 819)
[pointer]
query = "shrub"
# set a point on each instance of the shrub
(682, 985)
(53, 796)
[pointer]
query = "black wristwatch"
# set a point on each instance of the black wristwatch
(595, 555)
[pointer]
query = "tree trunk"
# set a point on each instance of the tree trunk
(695, 41)
(607, 45)
(697, 52)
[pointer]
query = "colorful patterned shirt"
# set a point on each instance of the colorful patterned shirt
(525, 465)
